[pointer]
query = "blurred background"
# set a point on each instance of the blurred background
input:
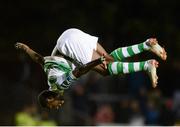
(93, 100)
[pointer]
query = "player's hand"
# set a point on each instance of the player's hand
(21, 46)
(107, 60)
(104, 62)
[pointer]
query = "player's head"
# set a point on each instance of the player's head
(50, 100)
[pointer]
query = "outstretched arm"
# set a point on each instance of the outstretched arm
(36, 57)
(79, 71)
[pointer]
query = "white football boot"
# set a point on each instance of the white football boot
(151, 70)
(156, 48)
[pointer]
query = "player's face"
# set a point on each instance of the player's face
(54, 103)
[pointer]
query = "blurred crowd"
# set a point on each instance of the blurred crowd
(97, 100)
(93, 104)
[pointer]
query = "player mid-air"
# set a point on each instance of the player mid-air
(77, 52)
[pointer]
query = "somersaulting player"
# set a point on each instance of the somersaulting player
(77, 52)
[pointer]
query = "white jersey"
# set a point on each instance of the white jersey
(59, 72)
(77, 45)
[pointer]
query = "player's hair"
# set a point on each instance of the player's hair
(42, 98)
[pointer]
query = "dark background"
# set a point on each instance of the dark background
(117, 23)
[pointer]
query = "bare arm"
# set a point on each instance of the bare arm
(79, 71)
(36, 57)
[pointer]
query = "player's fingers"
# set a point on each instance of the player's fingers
(103, 58)
(18, 45)
(105, 64)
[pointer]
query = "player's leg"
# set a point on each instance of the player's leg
(98, 53)
(150, 66)
(149, 45)
(115, 68)
(100, 50)
(125, 52)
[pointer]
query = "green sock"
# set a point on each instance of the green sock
(129, 51)
(116, 68)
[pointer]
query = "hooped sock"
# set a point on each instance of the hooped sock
(129, 51)
(116, 68)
